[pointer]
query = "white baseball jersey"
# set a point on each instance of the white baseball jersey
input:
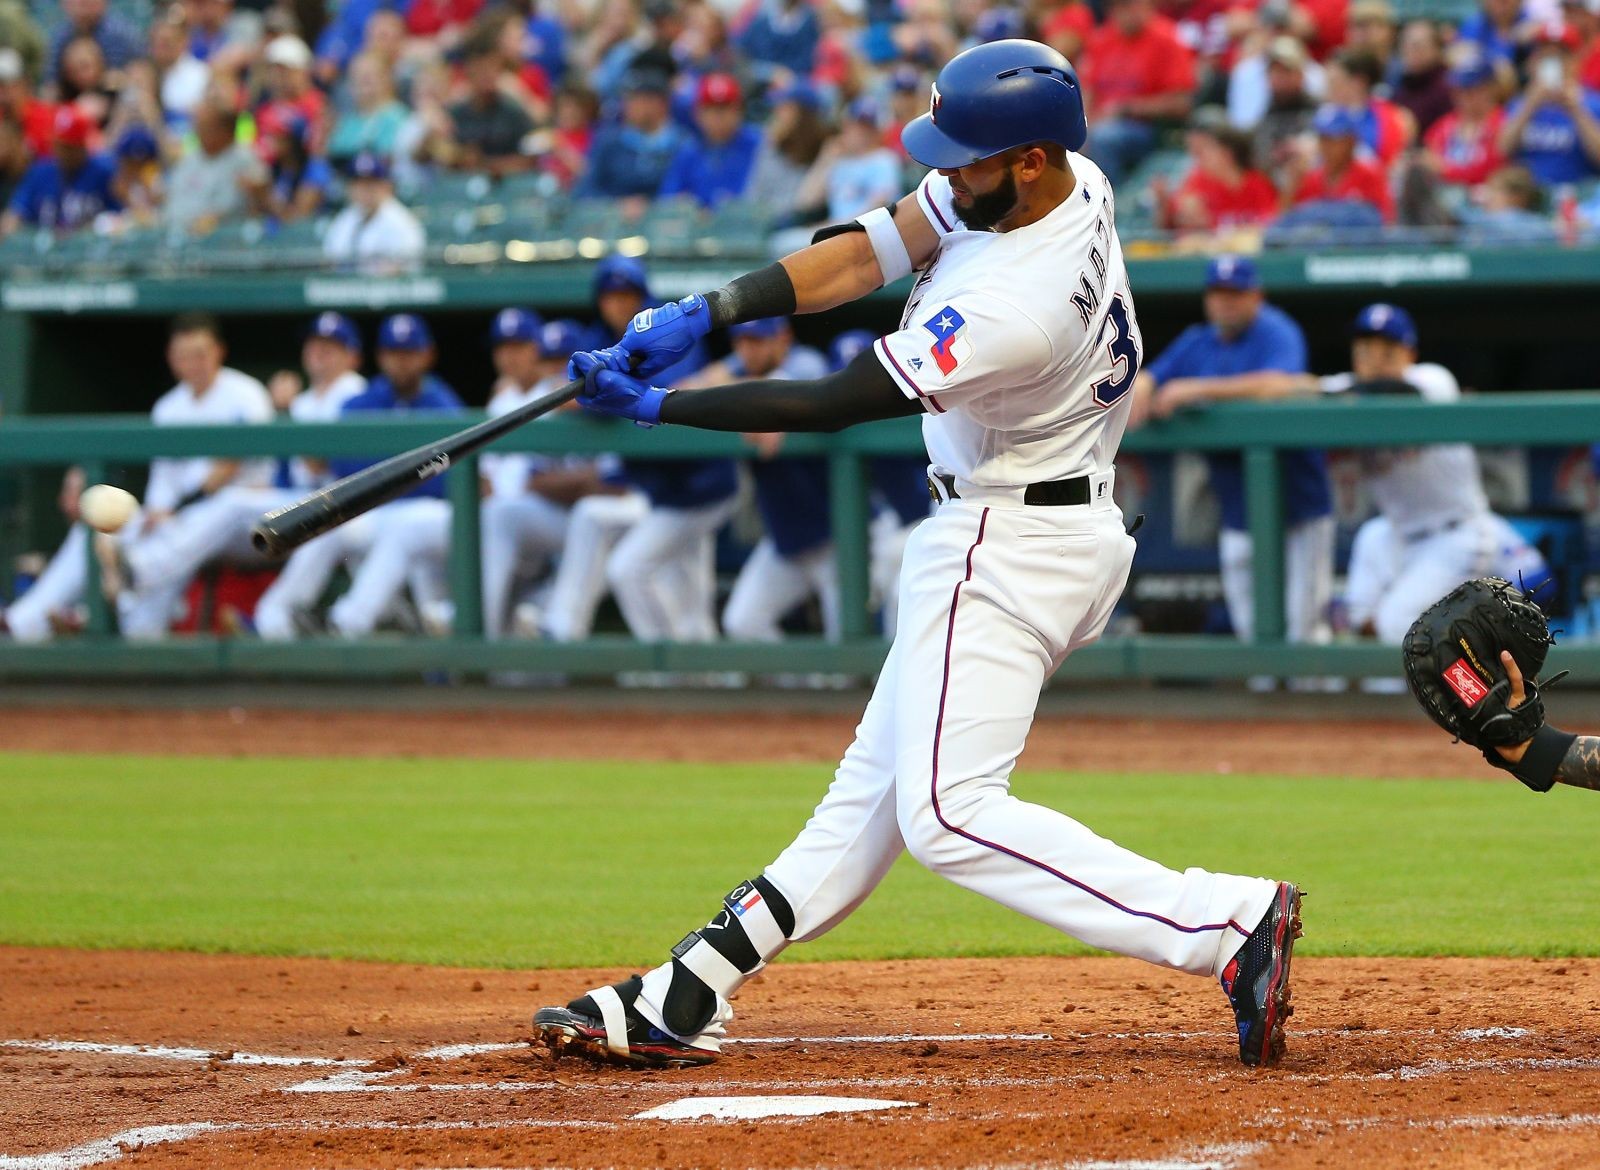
(314, 406)
(1420, 489)
(508, 473)
(233, 398)
(1020, 382)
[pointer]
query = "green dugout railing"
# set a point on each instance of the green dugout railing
(102, 444)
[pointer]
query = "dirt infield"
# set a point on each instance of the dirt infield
(174, 1060)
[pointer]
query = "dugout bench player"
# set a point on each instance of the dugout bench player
(1018, 345)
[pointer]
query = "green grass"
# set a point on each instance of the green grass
(506, 863)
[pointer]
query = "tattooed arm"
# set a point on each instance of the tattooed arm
(1580, 766)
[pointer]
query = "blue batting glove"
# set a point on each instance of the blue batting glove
(605, 391)
(659, 338)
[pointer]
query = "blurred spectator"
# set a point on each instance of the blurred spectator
(19, 105)
(222, 38)
(182, 78)
(629, 160)
(1423, 85)
(1463, 146)
(855, 172)
(1370, 28)
(923, 35)
(1274, 92)
(64, 191)
(704, 47)
(373, 123)
(1386, 129)
(440, 21)
(1222, 188)
(795, 135)
(21, 34)
(425, 136)
(375, 233)
(1553, 129)
(544, 40)
(1068, 29)
(781, 40)
(570, 138)
(717, 167)
(290, 92)
(643, 44)
(908, 99)
(1138, 74)
(487, 125)
(341, 38)
(522, 79)
(138, 183)
(1583, 17)
(13, 160)
(300, 181)
(1500, 31)
(209, 183)
(1342, 174)
(1509, 209)
(119, 41)
(1002, 23)
(83, 81)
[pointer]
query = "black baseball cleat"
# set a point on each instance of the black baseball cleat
(603, 1026)
(1256, 980)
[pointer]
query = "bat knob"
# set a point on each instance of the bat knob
(265, 540)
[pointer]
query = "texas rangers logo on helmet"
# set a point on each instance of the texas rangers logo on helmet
(934, 103)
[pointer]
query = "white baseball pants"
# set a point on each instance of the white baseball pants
(771, 584)
(59, 587)
(594, 525)
(994, 597)
(1307, 578)
(515, 528)
(410, 544)
(663, 573)
(305, 577)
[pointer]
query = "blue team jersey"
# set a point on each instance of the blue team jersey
(49, 198)
(713, 174)
(434, 397)
(792, 494)
(683, 483)
(1272, 342)
(1549, 145)
(900, 484)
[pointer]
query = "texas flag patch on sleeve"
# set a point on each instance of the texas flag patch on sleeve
(951, 345)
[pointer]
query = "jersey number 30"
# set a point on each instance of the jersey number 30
(1125, 354)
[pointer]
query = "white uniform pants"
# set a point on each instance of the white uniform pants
(514, 529)
(594, 525)
(411, 543)
(1392, 580)
(305, 577)
(663, 573)
(992, 600)
(1307, 578)
(58, 588)
(771, 584)
(163, 563)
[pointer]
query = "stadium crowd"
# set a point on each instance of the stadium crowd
(1317, 116)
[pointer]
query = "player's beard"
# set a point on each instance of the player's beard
(990, 208)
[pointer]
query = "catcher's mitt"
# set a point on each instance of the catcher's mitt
(1452, 657)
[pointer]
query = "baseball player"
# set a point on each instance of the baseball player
(159, 569)
(1019, 345)
(405, 355)
(207, 392)
(793, 561)
(1434, 528)
(662, 571)
(900, 499)
(1244, 345)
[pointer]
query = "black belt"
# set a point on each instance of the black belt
(1054, 493)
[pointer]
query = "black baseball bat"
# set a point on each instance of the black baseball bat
(289, 527)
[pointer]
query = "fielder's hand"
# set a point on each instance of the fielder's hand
(1513, 752)
(659, 338)
(605, 391)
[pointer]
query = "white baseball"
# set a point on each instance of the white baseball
(105, 508)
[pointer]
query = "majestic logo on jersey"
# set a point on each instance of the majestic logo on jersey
(1465, 682)
(950, 344)
(934, 103)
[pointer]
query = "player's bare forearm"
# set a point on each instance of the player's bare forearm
(844, 268)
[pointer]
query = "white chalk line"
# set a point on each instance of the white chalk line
(186, 1055)
(760, 1108)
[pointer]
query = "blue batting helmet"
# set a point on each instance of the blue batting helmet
(994, 97)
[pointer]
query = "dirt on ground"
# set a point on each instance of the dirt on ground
(181, 1060)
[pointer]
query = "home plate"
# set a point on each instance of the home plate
(748, 1108)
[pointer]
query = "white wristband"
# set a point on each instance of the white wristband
(893, 259)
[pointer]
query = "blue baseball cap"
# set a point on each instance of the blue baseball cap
(331, 326)
(137, 144)
(1383, 320)
(761, 327)
(1337, 121)
(799, 90)
(561, 339)
(864, 109)
(367, 165)
(844, 348)
(1472, 74)
(404, 331)
(998, 24)
(616, 273)
(1235, 272)
(516, 325)
(905, 79)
